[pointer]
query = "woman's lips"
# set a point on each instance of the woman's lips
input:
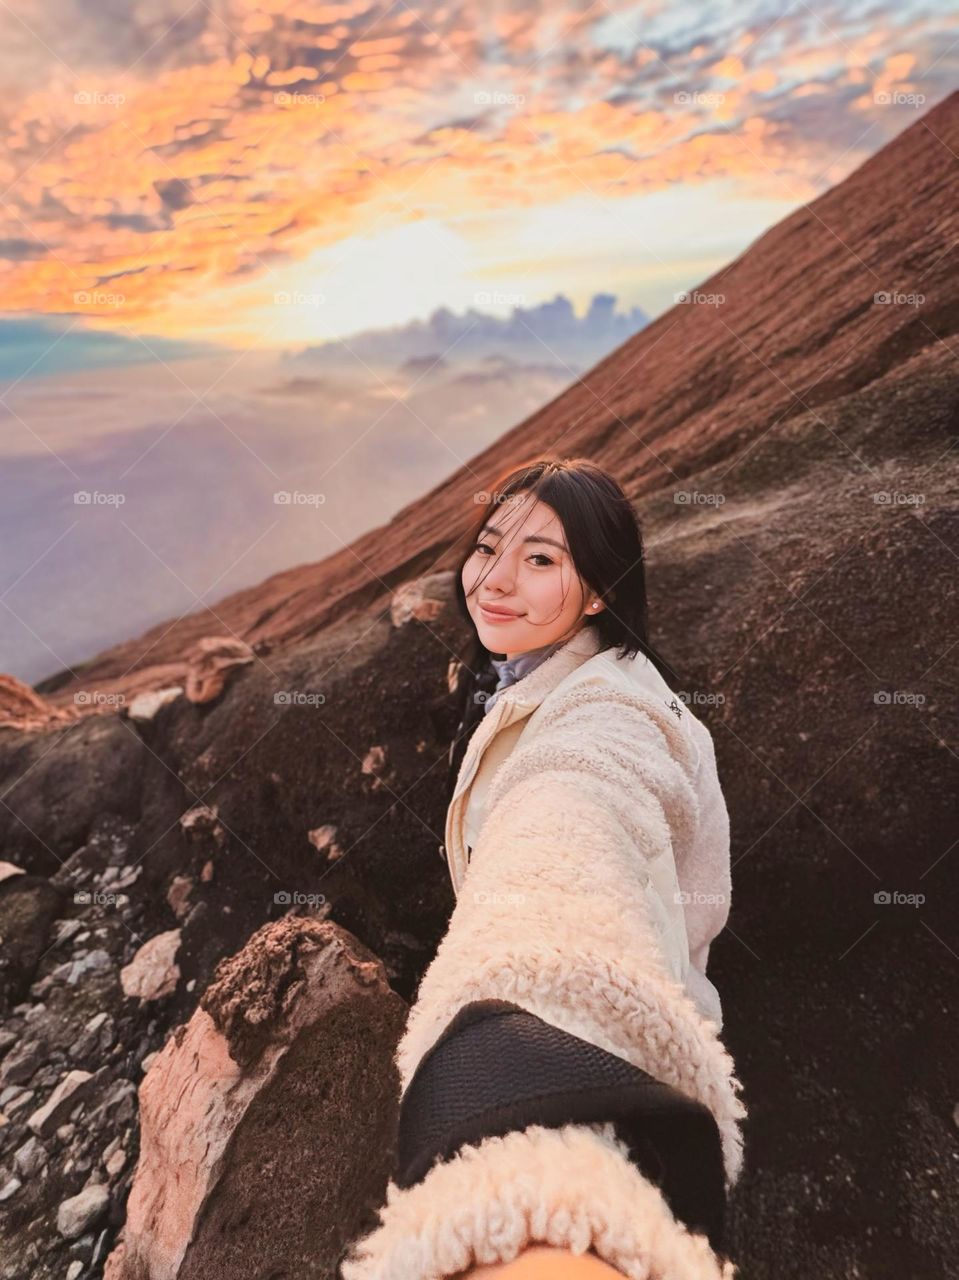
(490, 616)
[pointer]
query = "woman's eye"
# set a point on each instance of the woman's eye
(483, 547)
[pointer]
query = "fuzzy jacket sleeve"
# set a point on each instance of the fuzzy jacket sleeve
(573, 1188)
(559, 910)
(563, 911)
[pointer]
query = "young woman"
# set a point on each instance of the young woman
(567, 1105)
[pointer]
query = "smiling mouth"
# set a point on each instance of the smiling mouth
(501, 615)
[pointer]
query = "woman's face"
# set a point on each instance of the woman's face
(522, 567)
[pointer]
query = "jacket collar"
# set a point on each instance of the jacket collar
(528, 692)
(522, 698)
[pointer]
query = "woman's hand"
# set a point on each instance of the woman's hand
(544, 1262)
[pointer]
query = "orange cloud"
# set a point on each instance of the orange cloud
(190, 168)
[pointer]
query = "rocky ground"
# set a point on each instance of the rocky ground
(217, 900)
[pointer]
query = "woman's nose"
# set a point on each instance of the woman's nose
(500, 576)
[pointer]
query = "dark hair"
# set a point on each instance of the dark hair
(606, 546)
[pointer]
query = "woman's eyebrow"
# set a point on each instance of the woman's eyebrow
(533, 537)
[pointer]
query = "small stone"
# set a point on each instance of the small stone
(74, 1269)
(66, 930)
(418, 599)
(10, 1188)
(60, 1103)
(323, 840)
(20, 1101)
(178, 896)
(96, 1037)
(71, 971)
(153, 972)
(145, 705)
(202, 823)
(21, 1062)
(30, 1158)
(82, 1211)
(374, 760)
(128, 876)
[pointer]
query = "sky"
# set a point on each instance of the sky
(252, 248)
(282, 173)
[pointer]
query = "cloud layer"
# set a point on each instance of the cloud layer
(165, 162)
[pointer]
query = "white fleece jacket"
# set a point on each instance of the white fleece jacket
(701, 866)
(570, 906)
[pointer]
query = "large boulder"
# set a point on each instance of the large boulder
(268, 1120)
